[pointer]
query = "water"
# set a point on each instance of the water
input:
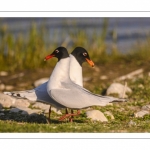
(129, 30)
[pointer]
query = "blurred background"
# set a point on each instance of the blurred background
(23, 40)
(116, 45)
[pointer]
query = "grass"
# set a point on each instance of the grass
(18, 51)
(123, 114)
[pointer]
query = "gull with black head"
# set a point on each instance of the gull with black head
(66, 92)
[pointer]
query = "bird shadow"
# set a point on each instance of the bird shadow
(18, 116)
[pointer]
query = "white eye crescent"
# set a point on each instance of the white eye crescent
(85, 54)
(57, 51)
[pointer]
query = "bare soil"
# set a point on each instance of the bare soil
(24, 80)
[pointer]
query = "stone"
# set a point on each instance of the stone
(14, 110)
(146, 107)
(2, 86)
(107, 113)
(8, 87)
(31, 111)
(109, 104)
(96, 115)
(6, 100)
(40, 81)
(56, 110)
(3, 73)
(131, 123)
(41, 106)
(46, 107)
(141, 86)
(117, 88)
(103, 77)
(21, 103)
(141, 113)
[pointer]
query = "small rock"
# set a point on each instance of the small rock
(31, 111)
(141, 86)
(109, 104)
(40, 81)
(2, 87)
(141, 113)
(96, 115)
(117, 88)
(131, 123)
(41, 106)
(46, 107)
(14, 110)
(24, 113)
(103, 77)
(6, 101)
(9, 87)
(56, 110)
(109, 114)
(146, 107)
(21, 103)
(3, 73)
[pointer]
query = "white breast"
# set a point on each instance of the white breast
(60, 73)
(75, 71)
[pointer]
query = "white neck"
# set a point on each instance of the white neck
(75, 71)
(60, 73)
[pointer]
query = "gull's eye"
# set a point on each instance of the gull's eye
(85, 54)
(57, 51)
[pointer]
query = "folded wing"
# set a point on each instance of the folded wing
(76, 97)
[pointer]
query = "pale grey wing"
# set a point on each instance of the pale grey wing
(76, 98)
(71, 84)
(43, 96)
(38, 94)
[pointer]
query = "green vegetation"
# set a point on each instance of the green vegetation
(123, 114)
(28, 51)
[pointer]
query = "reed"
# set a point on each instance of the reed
(28, 51)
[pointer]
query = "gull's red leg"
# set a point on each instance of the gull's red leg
(69, 115)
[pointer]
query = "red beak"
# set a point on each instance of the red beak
(48, 57)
